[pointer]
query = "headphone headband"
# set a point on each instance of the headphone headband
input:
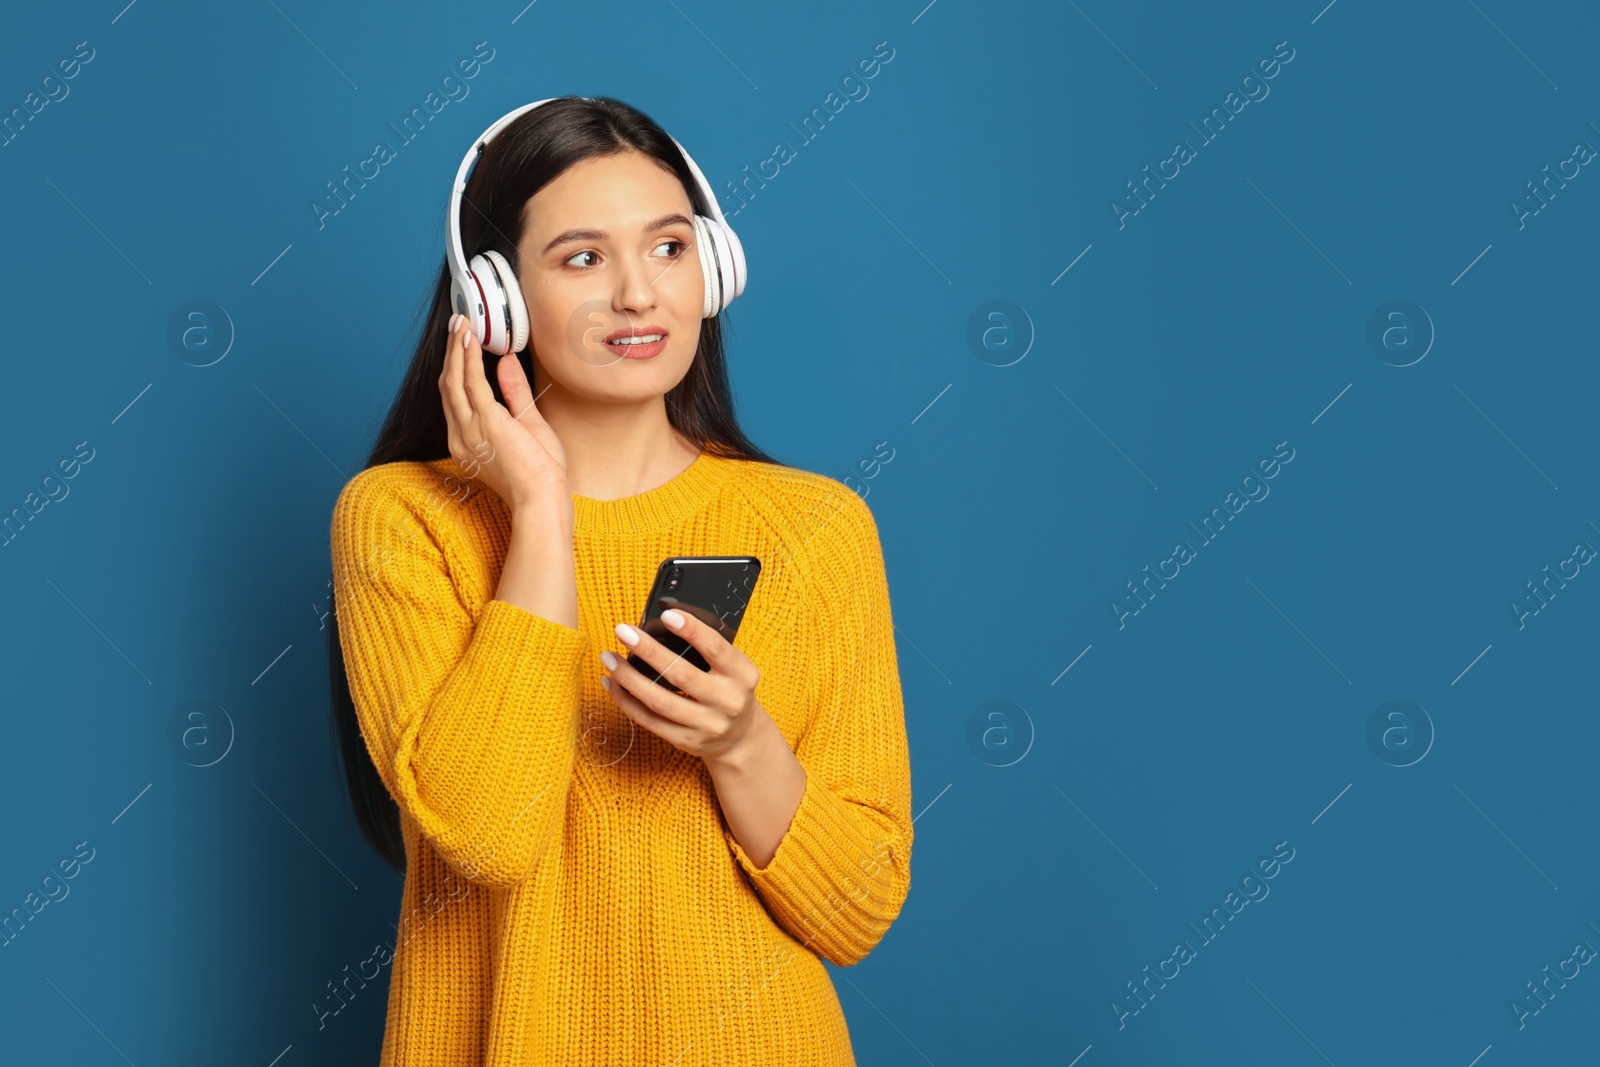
(458, 258)
(489, 295)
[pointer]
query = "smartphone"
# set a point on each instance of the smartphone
(712, 589)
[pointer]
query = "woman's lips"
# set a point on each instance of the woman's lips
(640, 351)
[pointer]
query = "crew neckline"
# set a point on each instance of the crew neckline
(669, 503)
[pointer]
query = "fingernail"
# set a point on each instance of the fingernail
(672, 618)
(605, 683)
(455, 320)
(610, 659)
(628, 634)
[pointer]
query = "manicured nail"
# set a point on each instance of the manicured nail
(609, 659)
(605, 683)
(455, 321)
(672, 618)
(628, 634)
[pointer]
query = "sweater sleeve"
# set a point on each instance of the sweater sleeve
(468, 716)
(842, 870)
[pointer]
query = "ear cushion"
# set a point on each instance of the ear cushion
(493, 333)
(723, 261)
(516, 307)
(705, 246)
(734, 273)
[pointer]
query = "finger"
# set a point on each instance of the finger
(477, 384)
(674, 733)
(514, 386)
(457, 408)
(627, 679)
(703, 630)
(671, 665)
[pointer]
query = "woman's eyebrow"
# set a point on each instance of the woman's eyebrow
(674, 219)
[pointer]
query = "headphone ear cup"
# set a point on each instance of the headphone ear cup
(734, 274)
(723, 261)
(705, 246)
(517, 326)
(494, 333)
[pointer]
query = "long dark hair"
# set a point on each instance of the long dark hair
(528, 154)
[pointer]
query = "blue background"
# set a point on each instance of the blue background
(1141, 764)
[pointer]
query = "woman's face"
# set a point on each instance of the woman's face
(608, 249)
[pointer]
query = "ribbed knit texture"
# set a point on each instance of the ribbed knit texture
(573, 894)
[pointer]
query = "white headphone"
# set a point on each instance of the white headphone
(489, 294)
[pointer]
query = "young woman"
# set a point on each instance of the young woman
(599, 870)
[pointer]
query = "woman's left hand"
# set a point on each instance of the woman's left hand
(718, 712)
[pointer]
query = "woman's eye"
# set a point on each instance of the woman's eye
(678, 250)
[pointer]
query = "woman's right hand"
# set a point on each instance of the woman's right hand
(517, 455)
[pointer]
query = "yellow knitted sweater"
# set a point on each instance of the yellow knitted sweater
(573, 895)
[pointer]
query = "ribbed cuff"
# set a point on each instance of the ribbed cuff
(829, 883)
